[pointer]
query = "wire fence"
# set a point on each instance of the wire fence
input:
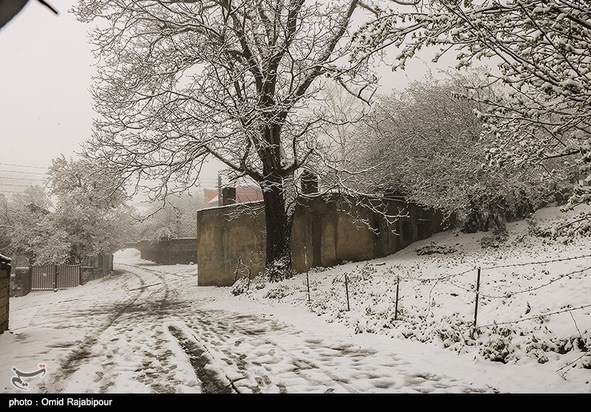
(351, 288)
(487, 311)
(467, 283)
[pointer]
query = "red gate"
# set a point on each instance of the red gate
(50, 277)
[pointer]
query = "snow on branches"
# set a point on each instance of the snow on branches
(541, 53)
(183, 82)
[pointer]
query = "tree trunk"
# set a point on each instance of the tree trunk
(278, 230)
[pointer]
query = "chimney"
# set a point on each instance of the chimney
(309, 183)
(228, 195)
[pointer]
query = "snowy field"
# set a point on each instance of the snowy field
(534, 295)
(151, 329)
(533, 309)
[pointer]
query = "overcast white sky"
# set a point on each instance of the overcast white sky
(45, 79)
(46, 66)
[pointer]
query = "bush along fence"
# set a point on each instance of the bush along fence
(496, 308)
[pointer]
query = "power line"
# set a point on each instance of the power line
(17, 185)
(28, 166)
(36, 179)
(23, 172)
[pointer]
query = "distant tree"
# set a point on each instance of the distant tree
(426, 143)
(49, 244)
(35, 198)
(175, 219)
(542, 53)
(181, 82)
(344, 112)
(88, 216)
(89, 183)
(89, 208)
(28, 228)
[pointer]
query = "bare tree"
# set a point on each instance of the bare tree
(180, 82)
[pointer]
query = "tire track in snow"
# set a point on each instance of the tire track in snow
(227, 351)
(113, 341)
(212, 380)
(265, 356)
(74, 360)
(197, 342)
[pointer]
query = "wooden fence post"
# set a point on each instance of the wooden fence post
(308, 285)
(30, 285)
(347, 292)
(396, 305)
(307, 271)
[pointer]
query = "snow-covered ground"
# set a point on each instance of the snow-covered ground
(152, 329)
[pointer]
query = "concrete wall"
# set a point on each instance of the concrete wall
(332, 230)
(326, 231)
(169, 252)
(230, 243)
(96, 267)
(5, 269)
(88, 273)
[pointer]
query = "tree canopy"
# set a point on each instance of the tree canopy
(181, 82)
(541, 51)
(426, 143)
(89, 208)
(81, 216)
(27, 228)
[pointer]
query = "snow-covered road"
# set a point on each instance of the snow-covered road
(110, 334)
(151, 329)
(138, 332)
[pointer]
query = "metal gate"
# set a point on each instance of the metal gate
(50, 277)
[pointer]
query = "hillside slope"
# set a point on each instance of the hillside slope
(534, 301)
